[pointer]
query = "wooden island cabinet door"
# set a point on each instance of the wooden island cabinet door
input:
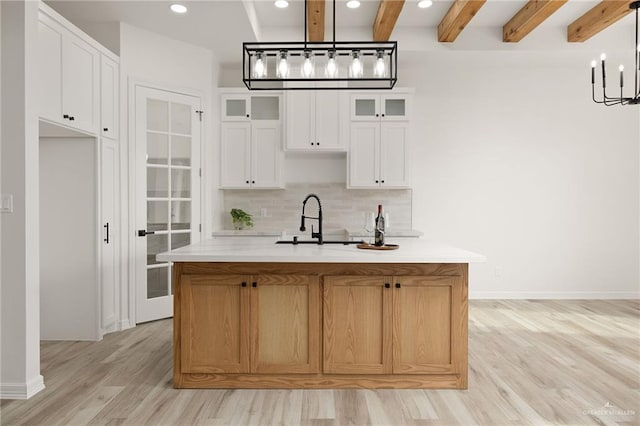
(285, 324)
(357, 324)
(428, 325)
(214, 325)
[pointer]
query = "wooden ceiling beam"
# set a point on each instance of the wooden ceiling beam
(315, 19)
(534, 13)
(597, 19)
(459, 15)
(388, 12)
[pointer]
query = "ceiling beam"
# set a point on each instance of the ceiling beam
(597, 19)
(534, 13)
(388, 12)
(459, 15)
(315, 19)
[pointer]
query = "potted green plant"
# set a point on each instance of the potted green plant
(241, 219)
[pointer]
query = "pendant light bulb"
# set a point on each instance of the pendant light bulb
(308, 69)
(355, 70)
(380, 68)
(283, 65)
(603, 56)
(331, 70)
(260, 68)
(593, 64)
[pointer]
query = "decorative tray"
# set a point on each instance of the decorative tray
(372, 247)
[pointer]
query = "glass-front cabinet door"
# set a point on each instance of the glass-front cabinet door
(374, 107)
(236, 108)
(250, 108)
(365, 107)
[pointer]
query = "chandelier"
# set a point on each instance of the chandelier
(608, 100)
(319, 65)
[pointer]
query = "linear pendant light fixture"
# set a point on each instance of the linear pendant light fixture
(319, 65)
(607, 100)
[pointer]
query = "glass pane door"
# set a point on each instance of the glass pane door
(167, 137)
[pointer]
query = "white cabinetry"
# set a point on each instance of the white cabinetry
(69, 74)
(251, 142)
(80, 186)
(109, 90)
(313, 120)
(379, 141)
(109, 253)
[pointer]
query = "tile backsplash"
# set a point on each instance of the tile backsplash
(342, 208)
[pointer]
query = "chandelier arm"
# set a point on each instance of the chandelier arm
(334, 24)
(637, 53)
(305, 24)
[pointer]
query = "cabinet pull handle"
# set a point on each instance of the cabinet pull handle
(387, 285)
(317, 143)
(253, 181)
(311, 143)
(254, 284)
(381, 181)
(72, 118)
(377, 181)
(398, 285)
(383, 115)
(247, 115)
(106, 226)
(106, 129)
(377, 115)
(244, 284)
(247, 181)
(65, 116)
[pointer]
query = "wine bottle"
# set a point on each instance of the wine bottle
(379, 234)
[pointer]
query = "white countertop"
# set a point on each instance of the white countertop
(263, 249)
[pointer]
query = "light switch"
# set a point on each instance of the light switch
(6, 203)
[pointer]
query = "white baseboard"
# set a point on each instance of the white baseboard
(21, 390)
(554, 295)
(124, 324)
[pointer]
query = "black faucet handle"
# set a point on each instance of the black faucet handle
(302, 227)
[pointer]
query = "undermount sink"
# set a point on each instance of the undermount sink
(296, 241)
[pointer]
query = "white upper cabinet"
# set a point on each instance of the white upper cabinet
(251, 141)
(109, 95)
(378, 107)
(69, 75)
(313, 121)
(379, 141)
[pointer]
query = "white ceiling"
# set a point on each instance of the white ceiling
(222, 25)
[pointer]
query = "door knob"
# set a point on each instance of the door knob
(144, 232)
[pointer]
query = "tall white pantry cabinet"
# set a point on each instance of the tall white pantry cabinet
(79, 183)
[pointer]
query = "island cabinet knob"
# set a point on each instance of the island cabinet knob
(254, 284)
(244, 284)
(387, 285)
(398, 285)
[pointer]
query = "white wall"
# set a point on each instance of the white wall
(19, 298)
(68, 246)
(512, 159)
(161, 62)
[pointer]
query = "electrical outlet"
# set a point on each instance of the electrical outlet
(6, 203)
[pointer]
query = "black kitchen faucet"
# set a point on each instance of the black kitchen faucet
(318, 234)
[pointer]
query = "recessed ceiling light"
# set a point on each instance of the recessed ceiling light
(281, 3)
(423, 4)
(353, 4)
(178, 8)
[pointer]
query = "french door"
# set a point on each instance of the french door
(167, 193)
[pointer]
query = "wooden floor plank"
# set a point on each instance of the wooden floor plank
(530, 362)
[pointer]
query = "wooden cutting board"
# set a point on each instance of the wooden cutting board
(372, 247)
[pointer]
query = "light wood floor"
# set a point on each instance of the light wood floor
(530, 362)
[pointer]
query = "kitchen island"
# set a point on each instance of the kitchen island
(252, 314)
